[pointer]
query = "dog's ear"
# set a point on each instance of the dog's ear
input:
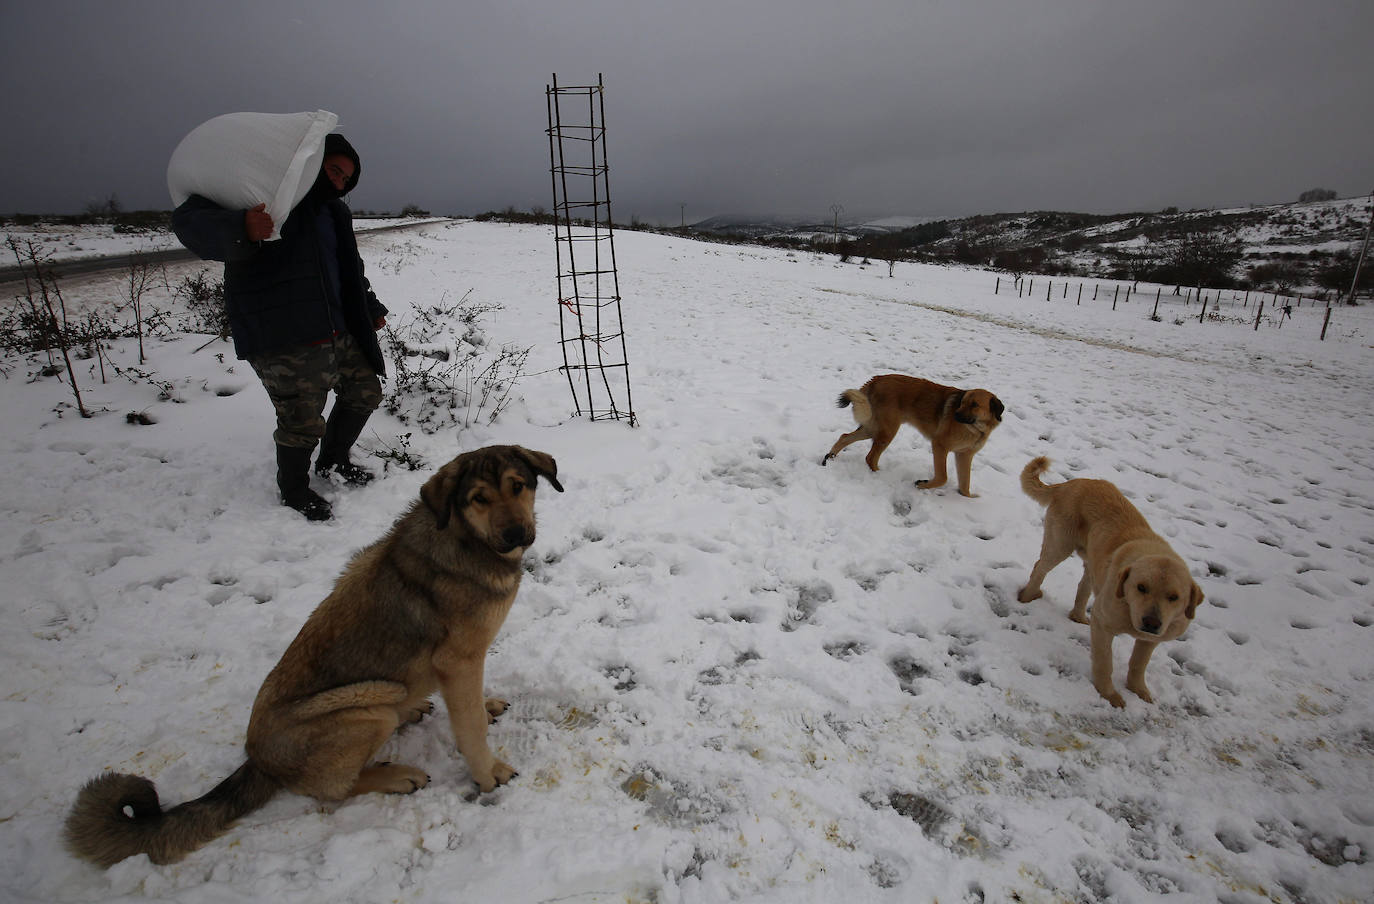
(542, 464)
(1194, 597)
(1121, 580)
(438, 492)
(997, 407)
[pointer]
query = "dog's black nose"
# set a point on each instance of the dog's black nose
(1150, 623)
(515, 535)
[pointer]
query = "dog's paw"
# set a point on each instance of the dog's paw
(425, 708)
(1078, 617)
(969, 495)
(1141, 691)
(825, 460)
(391, 778)
(501, 772)
(495, 706)
(1115, 699)
(1023, 597)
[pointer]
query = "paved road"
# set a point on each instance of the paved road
(82, 265)
(12, 278)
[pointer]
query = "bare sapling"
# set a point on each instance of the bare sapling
(31, 255)
(141, 276)
(33, 322)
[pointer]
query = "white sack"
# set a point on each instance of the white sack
(241, 160)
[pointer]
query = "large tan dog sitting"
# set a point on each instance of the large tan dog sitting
(1139, 585)
(954, 420)
(412, 613)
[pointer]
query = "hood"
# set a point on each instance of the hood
(334, 143)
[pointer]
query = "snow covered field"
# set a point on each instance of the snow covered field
(735, 674)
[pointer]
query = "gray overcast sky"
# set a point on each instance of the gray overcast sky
(908, 107)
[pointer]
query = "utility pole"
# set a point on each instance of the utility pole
(1350, 299)
(683, 222)
(836, 209)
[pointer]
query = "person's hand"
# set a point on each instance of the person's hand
(257, 222)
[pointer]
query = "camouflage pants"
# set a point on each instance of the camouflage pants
(299, 380)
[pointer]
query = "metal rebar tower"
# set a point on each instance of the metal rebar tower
(589, 321)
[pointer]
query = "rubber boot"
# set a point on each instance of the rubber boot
(293, 479)
(341, 431)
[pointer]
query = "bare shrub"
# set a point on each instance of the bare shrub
(203, 297)
(444, 374)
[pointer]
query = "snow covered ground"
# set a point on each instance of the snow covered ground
(734, 674)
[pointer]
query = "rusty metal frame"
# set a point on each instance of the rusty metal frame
(590, 325)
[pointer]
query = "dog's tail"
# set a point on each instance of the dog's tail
(1031, 483)
(117, 816)
(863, 412)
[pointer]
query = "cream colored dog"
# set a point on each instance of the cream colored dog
(1138, 583)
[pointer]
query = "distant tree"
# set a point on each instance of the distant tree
(1317, 194)
(966, 252)
(886, 251)
(1340, 272)
(414, 210)
(1019, 261)
(1199, 259)
(106, 211)
(1280, 276)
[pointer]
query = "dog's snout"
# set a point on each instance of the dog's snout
(517, 535)
(1150, 623)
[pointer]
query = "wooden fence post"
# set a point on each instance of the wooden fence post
(1048, 288)
(997, 288)
(1325, 321)
(1094, 291)
(1204, 311)
(1259, 312)
(1114, 294)
(1080, 293)
(1154, 315)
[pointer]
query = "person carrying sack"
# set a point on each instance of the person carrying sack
(304, 316)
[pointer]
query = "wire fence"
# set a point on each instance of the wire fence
(1180, 303)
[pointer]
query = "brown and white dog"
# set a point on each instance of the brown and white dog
(954, 420)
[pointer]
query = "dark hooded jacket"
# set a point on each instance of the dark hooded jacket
(278, 293)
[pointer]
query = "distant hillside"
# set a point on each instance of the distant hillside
(800, 228)
(1308, 246)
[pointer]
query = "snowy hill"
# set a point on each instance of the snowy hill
(1305, 246)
